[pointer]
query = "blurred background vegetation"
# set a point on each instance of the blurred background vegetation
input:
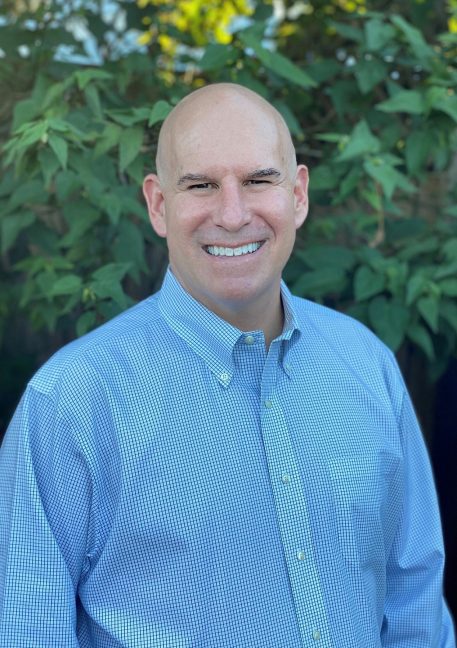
(368, 89)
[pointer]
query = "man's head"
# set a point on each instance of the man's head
(228, 196)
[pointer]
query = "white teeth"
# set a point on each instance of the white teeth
(216, 250)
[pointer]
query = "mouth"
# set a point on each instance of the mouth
(242, 250)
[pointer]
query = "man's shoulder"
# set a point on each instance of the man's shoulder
(101, 348)
(337, 342)
(342, 331)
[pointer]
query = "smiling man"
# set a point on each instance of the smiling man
(229, 197)
(224, 465)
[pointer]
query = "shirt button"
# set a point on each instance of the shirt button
(249, 339)
(268, 404)
(316, 635)
(285, 479)
(301, 555)
(224, 376)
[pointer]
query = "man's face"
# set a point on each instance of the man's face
(229, 206)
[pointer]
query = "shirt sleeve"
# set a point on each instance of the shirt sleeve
(44, 513)
(415, 612)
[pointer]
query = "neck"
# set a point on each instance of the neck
(270, 320)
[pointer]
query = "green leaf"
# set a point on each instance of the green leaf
(415, 288)
(408, 101)
(110, 289)
(60, 148)
(452, 211)
(446, 270)
(450, 249)
(368, 283)
(428, 307)
(129, 245)
(449, 287)
(25, 111)
(12, 225)
(160, 110)
(347, 31)
(319, 282)
(33, 134)
(82, 218)
(388, 177)
(377, 34)
(116, 271)
(419, 249)
(415, 39)
(323, 177)
(448, 310)
(112, 206)
(49, 165)
(67, 285)
(327, 256)
(93, 101)
(421, 337)
(277, 63)
(418, 146)
(216, 57)
(361, 142)
(28, 192)
(85, 323)
(389, 320)
(83, 77)
(292, 122)
(110, 138)
(67, 183)
(369, 73)
(130, 144)
(323, 70)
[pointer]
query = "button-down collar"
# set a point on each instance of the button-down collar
(211, 337)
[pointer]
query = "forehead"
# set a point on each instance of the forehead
(235, 136)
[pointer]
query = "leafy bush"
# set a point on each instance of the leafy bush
(373, 110)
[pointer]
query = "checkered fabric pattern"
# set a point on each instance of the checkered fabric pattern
(167, 482)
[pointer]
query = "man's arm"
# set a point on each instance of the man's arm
(44, 517)
(415, 614)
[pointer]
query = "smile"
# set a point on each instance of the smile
(249, 248)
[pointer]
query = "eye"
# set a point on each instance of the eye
(200, 185)
(257, 182)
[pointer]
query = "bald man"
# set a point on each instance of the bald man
(224, 465)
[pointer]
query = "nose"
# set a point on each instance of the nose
(231, 212)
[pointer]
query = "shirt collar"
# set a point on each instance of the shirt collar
(208, 335)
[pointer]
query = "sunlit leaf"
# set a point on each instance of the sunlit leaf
(277, 63)
(159, 112)
(361, 142)
(408, 101)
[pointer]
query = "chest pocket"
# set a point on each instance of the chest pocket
(367, 495)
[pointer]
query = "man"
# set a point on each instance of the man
(223, 465)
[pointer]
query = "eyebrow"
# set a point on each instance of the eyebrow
(257, 173)
(264, 173)
(193, 177)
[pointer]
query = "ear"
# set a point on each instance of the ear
(155, 200)
(301, 195)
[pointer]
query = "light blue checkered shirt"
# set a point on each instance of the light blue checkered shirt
(167, 483)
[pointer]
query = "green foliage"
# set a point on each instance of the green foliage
(371, 103)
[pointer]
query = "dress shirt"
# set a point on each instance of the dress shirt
(168, 482)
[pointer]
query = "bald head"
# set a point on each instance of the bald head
(225, 105)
